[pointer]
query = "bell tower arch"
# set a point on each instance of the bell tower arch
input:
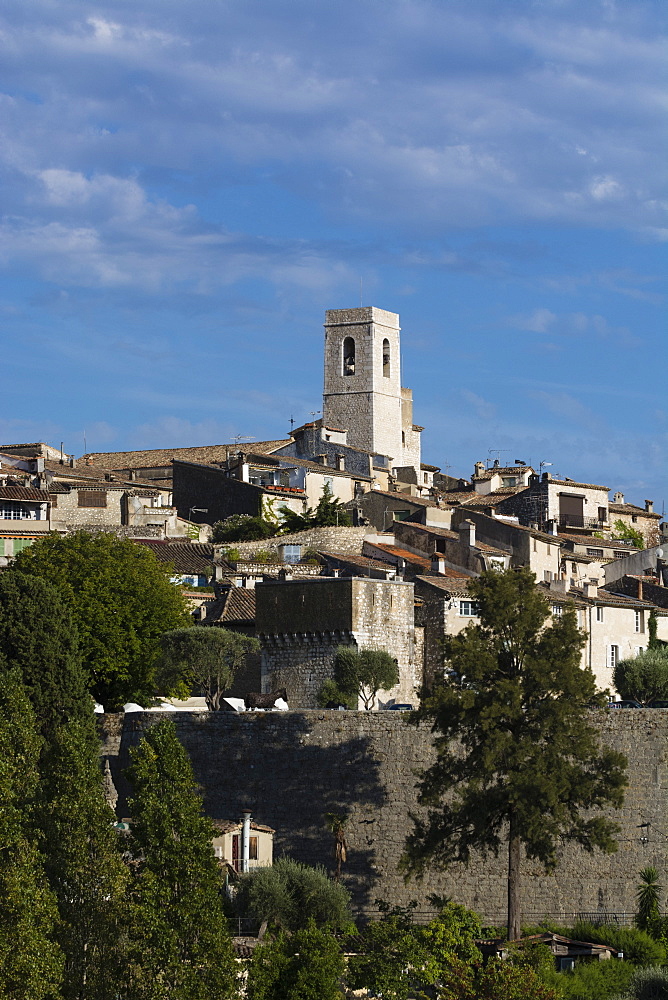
(362, 388)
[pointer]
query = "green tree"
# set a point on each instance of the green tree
(203, 658)
(83, 863)
(290, 894)
(496, 981)
(364, 672)
(306, 965)
(644, 677)
(518, 757)
(179, 942)
(31, 963)
(452, 936)
(242, 528)
(38, 636)
(648, 914)
(629, 534)
(647, 984)
(121, 599)
(394, 960)
(638, 946)
(329, 512)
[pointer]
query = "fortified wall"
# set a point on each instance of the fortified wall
(290, 768)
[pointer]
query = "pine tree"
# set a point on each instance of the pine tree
(31, 963)
(83, 863)
(518, 757)
(39, 637)
(180, 945)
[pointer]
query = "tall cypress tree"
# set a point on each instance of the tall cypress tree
(83, 863)
(518, 757)
(39, 637)
(180, 941)
(31, 963)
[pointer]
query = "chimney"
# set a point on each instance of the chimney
(322, 459)
(649, 506)
(336, 572)
(560, 586)
(496, 463)
(467, 533)
(285, 574)
(245, 839)
(478, 469)
(618, 498)
(438, 563)
(547, 476)
(340, 463)
(640, 597)
(552, 527)
(590, 588)
(133, 475)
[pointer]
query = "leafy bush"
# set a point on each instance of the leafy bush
(644, 677)
(242, 528)
(591, 980)
(647, 984)
(308, 965)
(291, 894)
(638, 947)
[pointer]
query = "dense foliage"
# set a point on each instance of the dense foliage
(204, 660)
(645, 677)
(329, 512)
(518, 759)
(289, 895)
(179, 941)
(242, 528)
(121, 601)
(306, 965)
(31, 962)
(360, 674)
(38, 636)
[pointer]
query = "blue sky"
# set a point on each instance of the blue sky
(187, 187)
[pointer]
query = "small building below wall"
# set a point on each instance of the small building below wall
(228, 846)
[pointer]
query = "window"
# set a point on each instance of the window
(468, 609)
(252, 848)
(557, 610)
(509, 480)
(640, 624)
(15, 512)
(21, 543)
(426, 477)
(639, 650)
(603, 513)
(614, 657)
(599, 613)
(620, 555)
(291, 553)
(386, 358)
(92, 498)
(547, 575)
(348, 356)
(634, 518)
(597, 553)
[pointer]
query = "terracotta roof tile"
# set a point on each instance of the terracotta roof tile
(155, 457)
(185, 557)
(22, 493)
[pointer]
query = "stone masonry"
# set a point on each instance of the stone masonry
(300, 624)
(290, 768)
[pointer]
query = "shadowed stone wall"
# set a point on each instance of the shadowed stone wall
(291, 768)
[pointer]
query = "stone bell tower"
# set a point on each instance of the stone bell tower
(362, 392)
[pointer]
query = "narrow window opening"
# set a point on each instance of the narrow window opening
(386, 358)
(349, 356)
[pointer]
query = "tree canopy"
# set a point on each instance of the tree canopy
(362, 673)
(205, 659)
(38, 636)
(290, 894)
(306, 965)
(242, 528)
(179, 940)
(121, 601)
(328, 512)
(31, 963)
(645, 676)
(518, 758)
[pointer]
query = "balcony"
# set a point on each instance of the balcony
(579, 521)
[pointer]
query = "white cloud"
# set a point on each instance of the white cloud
(538, 321)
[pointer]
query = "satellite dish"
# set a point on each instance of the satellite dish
(659, 553)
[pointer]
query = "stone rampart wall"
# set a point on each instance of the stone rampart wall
(290, 768)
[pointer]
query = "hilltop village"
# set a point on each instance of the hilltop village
(395, 575)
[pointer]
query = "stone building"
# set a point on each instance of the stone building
(301, 623)
(362, 389)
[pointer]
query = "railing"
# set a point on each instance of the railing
(579, 521)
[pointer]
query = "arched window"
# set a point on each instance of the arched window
(349, 356)
(386, 358)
